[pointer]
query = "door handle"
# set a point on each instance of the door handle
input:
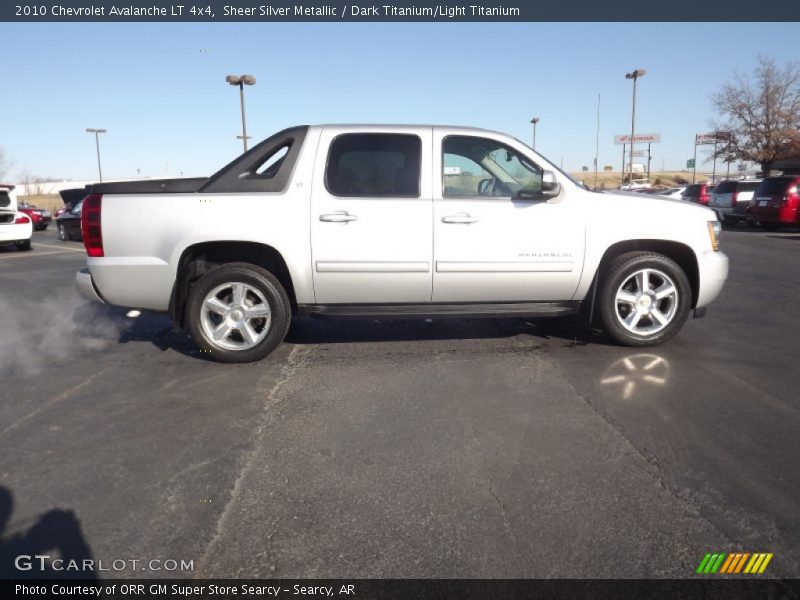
(464, 218)
(340, 216)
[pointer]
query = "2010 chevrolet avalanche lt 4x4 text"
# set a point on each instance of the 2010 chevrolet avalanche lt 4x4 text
(391, 221)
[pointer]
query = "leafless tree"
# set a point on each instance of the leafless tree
(34, 184)
(762, 113)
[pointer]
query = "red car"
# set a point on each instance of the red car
(39, 217)
(776, 202)
(698, 192)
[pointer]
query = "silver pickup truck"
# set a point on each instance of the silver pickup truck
(394, 221)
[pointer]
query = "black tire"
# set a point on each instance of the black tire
(262, 280)
(619, 271)
(62, 233)
(770, 226)
(24, 245)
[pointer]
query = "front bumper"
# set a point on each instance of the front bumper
(86, 287)
(713, 267)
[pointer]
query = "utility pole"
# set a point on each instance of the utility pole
(597, 142)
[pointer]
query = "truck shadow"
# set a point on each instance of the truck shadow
(114, 324)
(334, 331)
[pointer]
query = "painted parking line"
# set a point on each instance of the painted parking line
(64, 248)
(30, 254)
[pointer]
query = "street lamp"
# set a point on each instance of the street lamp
(534, 120)
(97, 133)
(634, 75)
(241, 81)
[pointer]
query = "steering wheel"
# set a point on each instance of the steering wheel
(486, 187)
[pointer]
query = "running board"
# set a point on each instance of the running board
(417, 311)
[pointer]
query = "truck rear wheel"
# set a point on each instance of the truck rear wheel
(238, 313)
(645, 299)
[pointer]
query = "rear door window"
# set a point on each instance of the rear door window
(374, 165)
(775, 186)
(692, 191)
(748, 186)
(725, 187)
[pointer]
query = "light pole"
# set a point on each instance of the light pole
(534, 120)
(241, 81)
(633, 75)
(97, 133)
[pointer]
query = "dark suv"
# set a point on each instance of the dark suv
(698, 192)
(776, 202)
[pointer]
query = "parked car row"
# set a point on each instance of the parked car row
(770, 202)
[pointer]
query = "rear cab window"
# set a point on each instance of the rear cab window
(374, 165)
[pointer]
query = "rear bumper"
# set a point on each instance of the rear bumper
(774, 214)
(713, 267)
(86, 287)
(15, 232)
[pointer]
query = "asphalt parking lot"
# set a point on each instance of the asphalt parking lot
(486, 448)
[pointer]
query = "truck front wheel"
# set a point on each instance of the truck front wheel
(238, 313)
(645, 299)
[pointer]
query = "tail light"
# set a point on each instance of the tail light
(91, 225)
(704, 197)
(735, 197)
(792, 198)
(21, 220)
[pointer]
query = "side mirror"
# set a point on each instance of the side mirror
(550, 189)
(550, 186)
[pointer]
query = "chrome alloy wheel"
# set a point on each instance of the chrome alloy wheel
(235, 316)
(646, 302)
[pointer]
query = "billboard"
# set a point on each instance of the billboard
(639, 138)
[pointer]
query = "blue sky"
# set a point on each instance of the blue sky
(159, 89)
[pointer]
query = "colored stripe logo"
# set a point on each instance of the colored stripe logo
(734, 563)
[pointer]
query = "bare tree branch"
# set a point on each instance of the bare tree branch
(762, 112)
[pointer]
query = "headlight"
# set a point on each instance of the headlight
(714, 231)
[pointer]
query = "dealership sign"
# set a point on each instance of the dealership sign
(711, 138)
(639, 138)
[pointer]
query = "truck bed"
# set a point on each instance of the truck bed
(149, 186)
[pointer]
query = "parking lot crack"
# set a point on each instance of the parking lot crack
(503, 514)
(269, 387)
